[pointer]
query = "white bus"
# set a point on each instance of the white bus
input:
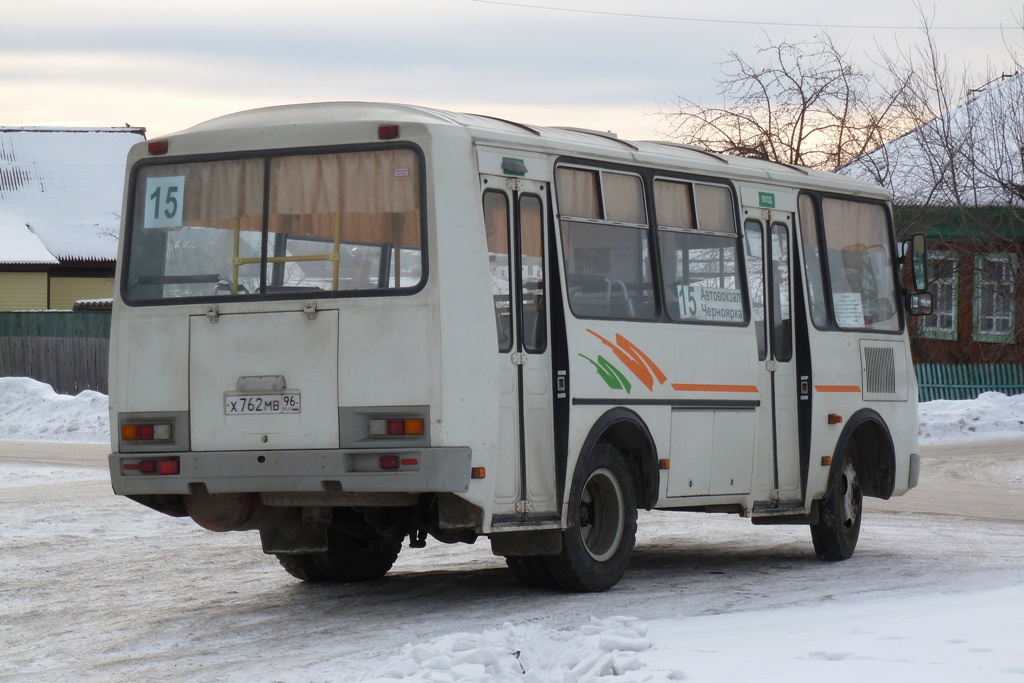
(349, 324)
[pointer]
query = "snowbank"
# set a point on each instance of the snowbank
(941, 637)
(991, 415)
(31, 411)
(530, 653)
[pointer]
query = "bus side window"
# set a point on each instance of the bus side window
(755, 283)
(605, 244)
(782, 328)
(812, 261)
(531, 244)
(496, 222)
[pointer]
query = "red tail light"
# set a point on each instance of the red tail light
(397, 426)
(161, 466)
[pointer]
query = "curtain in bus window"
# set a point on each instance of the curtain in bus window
(348, 220)
(577, 193)
(217, 193)
(673, 203)
(623, 198)
(860, 265)
(531, 277)
(812, 261)
(496, 224)
(714, 208)
(374, 193)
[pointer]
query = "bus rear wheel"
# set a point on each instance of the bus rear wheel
(348, 559)
(304, 567)
(839, 513)
(601, 526)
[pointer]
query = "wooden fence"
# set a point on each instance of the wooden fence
(960, 382)
(66, 349)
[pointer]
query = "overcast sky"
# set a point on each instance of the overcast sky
(169, 65)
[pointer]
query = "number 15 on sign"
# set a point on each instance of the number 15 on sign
(165, 198)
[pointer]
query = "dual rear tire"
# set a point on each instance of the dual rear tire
(348, 559)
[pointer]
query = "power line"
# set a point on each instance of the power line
(737, 21)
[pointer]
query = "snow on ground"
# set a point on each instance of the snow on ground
(96, 587)
(991, 415)
(31, 411)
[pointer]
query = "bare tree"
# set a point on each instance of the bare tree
(801, 103)
(948, 145)
(958, 174)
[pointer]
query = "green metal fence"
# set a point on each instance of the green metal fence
(962, 382)
(66, 349)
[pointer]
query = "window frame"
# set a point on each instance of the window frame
(739, 273)
(505, 342)
(953, 281)
(820, 233)
(648, 175)
(267, 155)
(1011, 335)
(563, 221)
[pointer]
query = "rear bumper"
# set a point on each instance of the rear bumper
(420, 470)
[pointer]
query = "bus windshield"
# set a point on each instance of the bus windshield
(345, 222)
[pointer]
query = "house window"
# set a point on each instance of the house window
(994, 290)
(942, 323)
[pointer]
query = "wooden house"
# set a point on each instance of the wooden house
(959, 180)
(60, 206)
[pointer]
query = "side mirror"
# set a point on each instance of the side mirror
(919, 261)
(919, 303)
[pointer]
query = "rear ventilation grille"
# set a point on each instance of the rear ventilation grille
(879, 370)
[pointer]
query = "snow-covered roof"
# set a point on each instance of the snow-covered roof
(20, 245)
(970, 156)
(60, 190)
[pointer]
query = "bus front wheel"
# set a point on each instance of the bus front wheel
(839, 512)
(601, 526)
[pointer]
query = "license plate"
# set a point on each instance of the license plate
(262, 404)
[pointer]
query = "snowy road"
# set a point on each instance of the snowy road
(94, 587)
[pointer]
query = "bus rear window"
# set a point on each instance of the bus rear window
(304, 224)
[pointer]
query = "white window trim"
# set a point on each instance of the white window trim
(934, 332)
(980, 336)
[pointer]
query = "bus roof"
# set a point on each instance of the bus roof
(328, 116)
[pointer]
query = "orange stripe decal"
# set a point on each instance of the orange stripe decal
(836, 389)
(737, 388)
(636, 360)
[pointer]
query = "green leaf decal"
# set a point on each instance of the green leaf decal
(609, 373)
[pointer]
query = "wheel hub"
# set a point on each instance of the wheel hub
(601, 516)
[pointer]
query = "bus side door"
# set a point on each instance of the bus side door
(515, 214)
(772, 292)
